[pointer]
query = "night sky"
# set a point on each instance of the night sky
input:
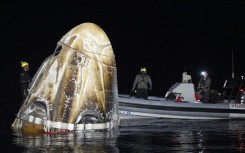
(164, 36)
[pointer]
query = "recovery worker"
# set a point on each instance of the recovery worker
(143, 84)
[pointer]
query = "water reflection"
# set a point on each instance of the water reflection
(164, 135)
(99, 142)
(240, 137)
(172, 135)
(239, 132)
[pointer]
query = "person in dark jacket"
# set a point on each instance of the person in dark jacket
(25, 79)
(204, 87)
(143, 83)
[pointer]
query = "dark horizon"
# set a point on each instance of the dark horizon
(164, 36)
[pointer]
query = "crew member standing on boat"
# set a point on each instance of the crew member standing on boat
(204, 87)
(143, 83)
(25, 79)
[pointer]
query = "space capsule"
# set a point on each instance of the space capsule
(75, 88)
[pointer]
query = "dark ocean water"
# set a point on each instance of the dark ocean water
(152, 136)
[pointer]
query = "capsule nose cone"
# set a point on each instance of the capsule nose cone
(88, 38)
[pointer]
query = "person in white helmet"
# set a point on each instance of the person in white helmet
(143, 84)
(204, 87)
(25, 79)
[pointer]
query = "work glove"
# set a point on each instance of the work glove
(131, 92)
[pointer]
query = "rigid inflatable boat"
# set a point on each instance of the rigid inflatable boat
(188, 108)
